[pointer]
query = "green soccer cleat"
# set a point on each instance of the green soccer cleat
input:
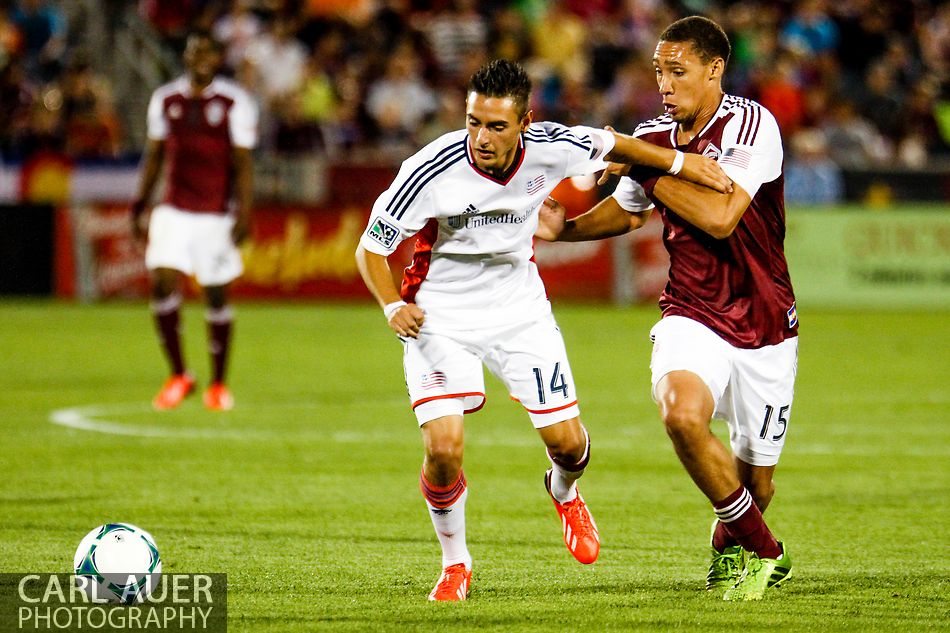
(725, 567)
(760, 574)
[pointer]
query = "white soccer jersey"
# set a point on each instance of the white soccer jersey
(472, 263)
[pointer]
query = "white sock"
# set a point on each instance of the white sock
(449, 524)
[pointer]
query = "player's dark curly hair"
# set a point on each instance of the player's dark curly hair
(707, 37)
(503, 78)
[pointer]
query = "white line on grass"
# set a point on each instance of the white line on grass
(88, 419)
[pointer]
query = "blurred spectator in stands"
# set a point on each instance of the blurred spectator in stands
(633, 97)
(811, 177)
(11, 40)
(278, 59)
(608, 50)
(880, 103)
(810, 32)
(922, 137)
(390, 23)
(43, 131)
(782, 93)
(864, 27)
(236, 29)
(560, 40)
(508, 36)
(90, 122)
(934, 39)
(454, 31)
(450, 111)
(852, 140)
(43, 29)
(296, 134)
(171, 18)
(400, 101)
(17, 94)
(318, 97)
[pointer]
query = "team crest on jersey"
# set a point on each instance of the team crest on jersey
(174, 111)
(214, 113)
(383, 232)
(712, 152)
(535, 185)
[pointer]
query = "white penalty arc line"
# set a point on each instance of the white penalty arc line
(88, 418)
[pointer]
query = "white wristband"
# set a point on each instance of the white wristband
(678, 161)
(390, 308)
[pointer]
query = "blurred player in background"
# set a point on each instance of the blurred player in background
(472, 295)
(203, 127)
(727, 345)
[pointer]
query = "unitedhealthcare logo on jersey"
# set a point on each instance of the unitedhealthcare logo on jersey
(471, 218)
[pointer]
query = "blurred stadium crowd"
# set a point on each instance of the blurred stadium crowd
(853, 83)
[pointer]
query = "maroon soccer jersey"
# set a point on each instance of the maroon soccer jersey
(738, 286)
(200, 131)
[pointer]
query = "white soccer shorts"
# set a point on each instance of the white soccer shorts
(198, 244)
(444, 371)
(753, 388)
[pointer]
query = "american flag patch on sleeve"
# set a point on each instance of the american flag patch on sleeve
(737, 157)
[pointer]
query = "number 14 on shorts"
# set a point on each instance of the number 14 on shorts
(557, 383)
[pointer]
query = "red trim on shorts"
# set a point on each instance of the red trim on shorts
(550, 410)
(453, 395)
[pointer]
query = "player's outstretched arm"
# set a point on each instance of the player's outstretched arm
(692, 167)
(606, 219)
(405, 319)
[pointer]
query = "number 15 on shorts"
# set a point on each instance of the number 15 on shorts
(549, 386)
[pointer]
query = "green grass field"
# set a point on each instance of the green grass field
(306, 494)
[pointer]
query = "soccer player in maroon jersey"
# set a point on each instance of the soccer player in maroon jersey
(727, 343)
(203, 127)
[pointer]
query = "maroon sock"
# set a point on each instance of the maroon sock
(743, 521)
(167, 319)
(219, 340)
(721, 539)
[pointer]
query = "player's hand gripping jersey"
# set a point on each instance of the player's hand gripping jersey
(472, 261)
(739, 286)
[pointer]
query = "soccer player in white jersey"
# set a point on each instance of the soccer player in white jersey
(727, 345)
(472, 295)
(204, 127)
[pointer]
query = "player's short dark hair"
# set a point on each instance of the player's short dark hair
(205, 34)
(503, 78)
(707, 37)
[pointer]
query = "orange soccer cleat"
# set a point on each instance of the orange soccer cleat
(218, 398)
(454, 584)
(173, 392)
(580, 531)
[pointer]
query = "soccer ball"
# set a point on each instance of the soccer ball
(117, 562)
